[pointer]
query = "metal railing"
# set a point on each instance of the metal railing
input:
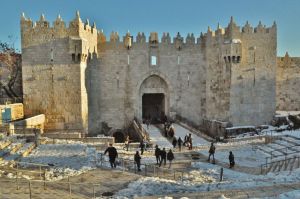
(268, 165)
(43, 188)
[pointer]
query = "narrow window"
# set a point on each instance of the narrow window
(238, 59)
(229, 59)
(51, 54)
(233, 59)
(79, 57)
(73, 57)
(225, 59)
(153, 61)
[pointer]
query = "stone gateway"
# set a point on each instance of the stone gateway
(81, 80)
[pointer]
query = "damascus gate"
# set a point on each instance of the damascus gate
(81, 78)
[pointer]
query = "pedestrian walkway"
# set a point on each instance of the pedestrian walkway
(156, 137)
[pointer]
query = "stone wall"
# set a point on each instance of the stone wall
(54, 71)
(119, 76)
(74, 73)
(288, 83)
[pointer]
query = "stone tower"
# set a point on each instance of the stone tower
(54, 70)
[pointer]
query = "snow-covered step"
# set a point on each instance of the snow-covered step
(28, 147)
(4, 143)
(291, 140)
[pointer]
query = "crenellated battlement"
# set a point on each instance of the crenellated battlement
(233, 31)
(41, 31)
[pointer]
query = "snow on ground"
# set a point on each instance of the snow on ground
(64, 159)
(287, 113)
(247, 155)
(147, 186)
(288, 195)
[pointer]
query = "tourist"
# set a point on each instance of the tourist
(179, 143)
(137, 160)
(190, 143)
(157, 154)
(112, 154)
(170, 157)
(186, 140)
(231, 159)
(127, 142)
(174, 142)
(212, 150)
(163, 156)
(142, 146)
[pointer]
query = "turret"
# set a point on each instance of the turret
(141, 38)
(178, 41)
(166, 39)
(127, 39)
(232, 31)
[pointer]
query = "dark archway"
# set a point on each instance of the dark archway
(119, 137)
(153, 106)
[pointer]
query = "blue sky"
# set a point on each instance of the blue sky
(172, 16)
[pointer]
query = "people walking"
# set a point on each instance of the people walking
(212, 150)
(170, 157)
(157, 154)
(137, 160)
(163, 157)
(179, 142)
(112, 154)
(231, 159)
(174, 142)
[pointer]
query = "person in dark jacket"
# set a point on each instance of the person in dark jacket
(231, 159)
(179, 142)
(157, 154)
(163, 157)
(137, 160)
(170, 157)
(142, 146)
(174, 142)
(112, 154)
(211, 152)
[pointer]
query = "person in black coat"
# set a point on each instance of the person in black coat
(157, 154)
(179, 142)
(112, 154)
(174, 142)
(231, 159)
(163, 157)
(170, 157)
(142, 146)
(137, 160)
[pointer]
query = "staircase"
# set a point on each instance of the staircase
(288, 164)
(12, 149)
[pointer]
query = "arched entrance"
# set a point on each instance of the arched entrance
(154, 98)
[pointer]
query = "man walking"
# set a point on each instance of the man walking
(163, 157)
(112, 154)
(157, 154)
(231, 159)
(137, 160)
(211, 152)
(170, 157)
(179, 142)
(142, 146)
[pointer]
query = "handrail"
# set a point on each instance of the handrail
(265, 165)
